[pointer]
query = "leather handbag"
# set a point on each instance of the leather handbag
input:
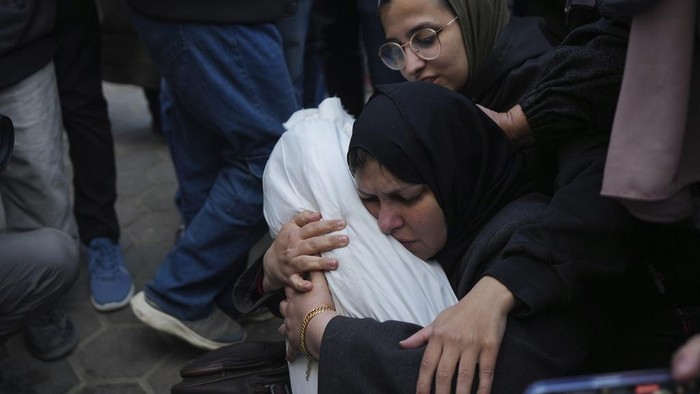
(245, 368)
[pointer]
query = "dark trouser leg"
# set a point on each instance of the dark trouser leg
(86, 120)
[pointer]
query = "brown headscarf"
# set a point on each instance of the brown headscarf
(481, 22)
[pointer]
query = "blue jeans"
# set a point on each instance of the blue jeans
(230, 92)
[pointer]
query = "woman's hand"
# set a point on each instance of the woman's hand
(686, 362)
(297, 248)
(513, 123)
(295, 308)
(462, 337)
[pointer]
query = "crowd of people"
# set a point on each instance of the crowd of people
(512, 202)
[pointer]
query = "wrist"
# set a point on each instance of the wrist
(315, 330)
(501, 297)
(515, 124)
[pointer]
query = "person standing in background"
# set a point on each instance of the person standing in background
(34, 187)
(226, 75)
(86, 121)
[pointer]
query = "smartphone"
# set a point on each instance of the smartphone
(651, 381)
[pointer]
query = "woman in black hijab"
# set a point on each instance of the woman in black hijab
(448, 145)
(438, 178)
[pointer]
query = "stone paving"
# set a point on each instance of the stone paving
(117, 353)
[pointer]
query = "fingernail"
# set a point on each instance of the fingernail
(333, 264)
(343, 239)
(339, 224)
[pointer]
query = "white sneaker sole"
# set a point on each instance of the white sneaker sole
(113, 306)
(163, 322)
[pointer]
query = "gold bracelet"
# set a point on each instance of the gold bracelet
(302, 334)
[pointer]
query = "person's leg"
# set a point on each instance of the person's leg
(372, 37)
(33, 277)
(87, 125)
(339, 48)
(229, 113)
(294, 30)
(85, 119)
(34, 187)
(36, 268)
(314, 80)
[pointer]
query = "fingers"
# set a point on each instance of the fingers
(487, 367)
(465, 373)
(283, 307)
(316, 238)
(428, 364)
(418, 339)
(291, 353)
(298, 283)
(448, 364)
(305, 217)
(686, 362)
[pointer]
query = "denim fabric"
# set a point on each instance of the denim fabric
(230, 92)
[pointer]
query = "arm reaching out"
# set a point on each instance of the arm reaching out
(462, 337)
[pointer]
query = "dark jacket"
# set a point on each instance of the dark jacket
(216, 11)
(26, 38)
(363, 355)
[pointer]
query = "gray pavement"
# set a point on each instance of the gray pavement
(117, 353)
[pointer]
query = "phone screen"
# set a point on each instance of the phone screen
(629, 382)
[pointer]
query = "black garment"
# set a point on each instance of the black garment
(427, 134)
(349, 35)
(232, 11)
(513, 67)
(363, 355)
(26, 38)
(85, 118)
(578, 90)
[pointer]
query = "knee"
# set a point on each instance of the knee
(58, 255)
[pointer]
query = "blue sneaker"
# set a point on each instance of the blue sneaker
(110, 283)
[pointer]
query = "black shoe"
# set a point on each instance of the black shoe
(51, 335)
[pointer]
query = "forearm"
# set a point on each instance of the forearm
(577, 93)
(581, 241)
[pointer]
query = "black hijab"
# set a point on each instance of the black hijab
(424, 133)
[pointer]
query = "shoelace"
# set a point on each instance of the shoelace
(107, 261)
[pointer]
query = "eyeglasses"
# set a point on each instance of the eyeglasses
(424, 43)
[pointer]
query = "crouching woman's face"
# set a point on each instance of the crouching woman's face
(408, 212)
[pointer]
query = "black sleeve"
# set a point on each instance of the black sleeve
(582, 245)
(247, 298)
(579, 85)
(363, 356)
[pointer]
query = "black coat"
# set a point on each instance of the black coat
(27, 42)
(215, 11)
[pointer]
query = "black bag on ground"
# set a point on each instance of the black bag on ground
(249, 367)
